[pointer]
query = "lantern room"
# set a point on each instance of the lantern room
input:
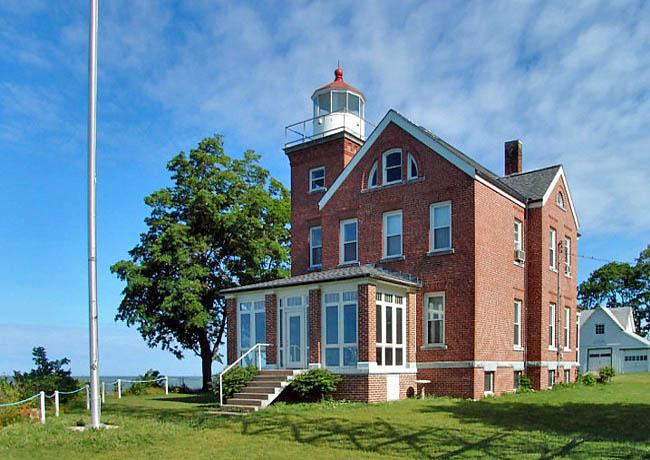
(338, 107)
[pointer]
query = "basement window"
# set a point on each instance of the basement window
(488, 383)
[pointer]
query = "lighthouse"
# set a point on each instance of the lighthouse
(338, 107)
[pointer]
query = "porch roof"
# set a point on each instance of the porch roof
(337, 274)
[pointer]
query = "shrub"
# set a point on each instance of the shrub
(586, 379)
(47, 376)
(605, 374)
(145, 387)
(316, 384)
(525, 384)
(235, 379)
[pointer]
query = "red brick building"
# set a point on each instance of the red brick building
(411, 261)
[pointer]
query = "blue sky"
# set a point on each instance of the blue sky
(568, 78)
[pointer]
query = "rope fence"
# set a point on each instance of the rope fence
(42, 396)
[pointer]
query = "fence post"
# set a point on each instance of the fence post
(103, 392)
(87, 398)
(56, 403)
(42, 406)
(166, 385)
(119, 389)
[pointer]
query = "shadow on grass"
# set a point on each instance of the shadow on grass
(198, 398)
(590, 421)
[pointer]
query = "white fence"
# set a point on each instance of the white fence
(42, 396)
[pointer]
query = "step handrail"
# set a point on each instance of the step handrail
(258, 347)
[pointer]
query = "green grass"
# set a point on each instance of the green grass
(604, 421)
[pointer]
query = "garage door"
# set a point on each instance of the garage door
(635, 361)
(599, 358)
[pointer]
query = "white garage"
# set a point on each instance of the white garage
(635, 360)
(608, 338)
(599, 357)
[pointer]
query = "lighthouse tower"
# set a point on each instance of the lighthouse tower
(337, 107)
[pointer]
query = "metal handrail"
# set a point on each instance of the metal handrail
(257, 346)
(304, 137)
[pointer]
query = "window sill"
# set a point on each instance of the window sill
(554, 270)
(391, 259)
(518, 264)
(567, 350)
(318, 190)
(518, 348)
(440, 346)
(487, 394)
(566, 275)
(315, 268)
(441, 252)
(348, 264)
(550, 348)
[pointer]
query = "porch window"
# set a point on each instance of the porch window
(434, 319)
(341, 329)
(252, 325)
(315, 247)
(391, 333)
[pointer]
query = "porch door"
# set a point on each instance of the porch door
(295, 341)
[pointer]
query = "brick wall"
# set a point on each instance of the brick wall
(231, 329)
(458, 383)
(366, 301)
(314, 325)
(271, 307)
(411, 327)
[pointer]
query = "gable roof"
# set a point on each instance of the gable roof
(519, 188)
(337, 274)
(619, 316)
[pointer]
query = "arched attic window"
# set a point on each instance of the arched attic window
(373, 177)
(559, 200)
(412, 167)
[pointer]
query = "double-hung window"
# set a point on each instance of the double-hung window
(567, 256)
(517, 330)
(567, 325)
(391, 329)
(315, 247)
(440, 233)
(341, 329)
(393, 234)
(392, 167)
(552, 249)
(349, 243)
(317, 179)
(434, 319)
(551, 326)
(518, 236)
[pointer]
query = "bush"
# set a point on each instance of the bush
(605, 374)
(525, 384)
(145, 387)
(47, 376)
(316, 384)
(586, 379)
(235, 379)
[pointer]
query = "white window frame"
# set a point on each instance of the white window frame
(384, 169)
(552, 313)
(313, 188)
(553, 249)
(567, 256)
(518, 235)
(490, 375)
(373, 171)
(411, 160)
(577, 331)
(567, 329)
(567, 376)
(392, 300)
(559, 200)
(386, 235)
(341, 344)
(517, 325)
(425, 316)
(312, 247)
(551, 379)
(342, 241)
(432, 226)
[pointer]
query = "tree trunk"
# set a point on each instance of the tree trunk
(206, 364)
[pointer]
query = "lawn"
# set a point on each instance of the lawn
(605, 421)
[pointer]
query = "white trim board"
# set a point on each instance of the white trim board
(547, 195)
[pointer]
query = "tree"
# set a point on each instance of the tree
(223, 222)
(47, 376)
(617, 284)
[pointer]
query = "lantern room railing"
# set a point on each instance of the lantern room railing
(303, 131)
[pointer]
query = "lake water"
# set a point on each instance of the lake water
(193, 382)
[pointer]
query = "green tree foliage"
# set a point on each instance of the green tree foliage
(621, 285)
(144, 387)
(235, 379)
(223, 222)
(47, 376)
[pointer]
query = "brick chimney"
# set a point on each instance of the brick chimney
(513, 157)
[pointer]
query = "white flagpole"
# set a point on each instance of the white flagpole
(92, 231)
